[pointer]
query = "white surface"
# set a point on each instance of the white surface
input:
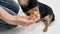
(38, 28)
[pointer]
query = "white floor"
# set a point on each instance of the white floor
(38, 28)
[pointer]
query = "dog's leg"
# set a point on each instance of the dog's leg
(34, 13)
(47, 22)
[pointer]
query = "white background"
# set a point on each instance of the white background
(38, 28)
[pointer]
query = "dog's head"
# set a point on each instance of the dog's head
(25, 2)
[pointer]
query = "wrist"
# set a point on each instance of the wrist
(12, 20)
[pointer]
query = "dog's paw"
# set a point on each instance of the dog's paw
(44, 30)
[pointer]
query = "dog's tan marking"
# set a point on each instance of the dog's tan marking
(34, 12)
(47, 22)
(23, 2)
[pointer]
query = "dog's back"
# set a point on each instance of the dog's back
(46, 10)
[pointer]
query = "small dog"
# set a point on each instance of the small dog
(34, 8)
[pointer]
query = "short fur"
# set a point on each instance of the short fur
(33, 7)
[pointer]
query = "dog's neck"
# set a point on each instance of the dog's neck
(23, 2)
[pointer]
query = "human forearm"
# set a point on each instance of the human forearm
(4, 15)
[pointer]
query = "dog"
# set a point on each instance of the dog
(34, 8)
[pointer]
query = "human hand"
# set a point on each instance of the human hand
(24, 20)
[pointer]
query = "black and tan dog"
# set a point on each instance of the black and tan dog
(34, 8)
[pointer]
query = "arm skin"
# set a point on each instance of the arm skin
(6, 16)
